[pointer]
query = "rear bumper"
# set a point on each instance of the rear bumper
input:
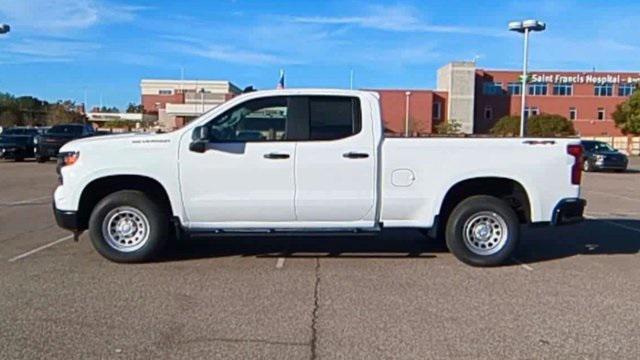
(568, 211)
(66, 219)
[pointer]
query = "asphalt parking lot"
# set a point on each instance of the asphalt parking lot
(571, 292)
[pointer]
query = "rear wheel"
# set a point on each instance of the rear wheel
(42, 159)
(18, 159)
(482, 231)
(127, 226)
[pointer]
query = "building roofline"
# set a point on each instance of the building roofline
(562, 71)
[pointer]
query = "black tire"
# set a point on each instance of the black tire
(620, 170)
(42, 159)
(18, 159)
(157, 220)
(502, 216)
(586, 166)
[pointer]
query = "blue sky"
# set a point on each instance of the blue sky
(60, 49)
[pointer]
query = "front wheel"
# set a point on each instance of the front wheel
(482, 231)
(42, 159)
(127, 226)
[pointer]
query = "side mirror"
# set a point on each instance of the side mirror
(200, 138)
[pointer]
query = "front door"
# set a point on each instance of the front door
(336, 165)
(244, 179)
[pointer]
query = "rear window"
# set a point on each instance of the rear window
(333, 117)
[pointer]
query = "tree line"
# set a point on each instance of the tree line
(31, 111)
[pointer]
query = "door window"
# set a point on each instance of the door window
(261, 119)
(333, 117)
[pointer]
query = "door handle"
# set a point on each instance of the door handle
(355, 155)
(276, 156)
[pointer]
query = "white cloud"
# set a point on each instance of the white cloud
(395, 18)
(63, 15)
(45, 50)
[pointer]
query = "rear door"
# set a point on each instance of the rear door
(335, 167)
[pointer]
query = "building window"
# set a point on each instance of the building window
(538, 89)
(165, 92)
(492, 88)
(488, 113)
(531, 111)
(601, 114)
(514, 88)
(626, 89)
(603, 89)
(563, 89)
(573, 113)
(436, 112)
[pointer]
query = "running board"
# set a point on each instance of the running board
(285, 232)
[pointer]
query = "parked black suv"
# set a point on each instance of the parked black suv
(50, 142)
(18, 143)
(599, 155)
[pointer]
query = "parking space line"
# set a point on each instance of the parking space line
(22, 202)
(613, 223)
(523, 265)
(31, 252)
(280, 263)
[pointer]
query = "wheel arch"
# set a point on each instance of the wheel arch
(508, 189)
(97, 189)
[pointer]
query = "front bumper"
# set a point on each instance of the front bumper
(49, 150)
(568, 211)
(13, 152)
(66, 219)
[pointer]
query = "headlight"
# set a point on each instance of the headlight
(68, 158)
(35, 140)
(600, 157)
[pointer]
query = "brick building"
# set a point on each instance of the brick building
(478, 98)
(176, 102)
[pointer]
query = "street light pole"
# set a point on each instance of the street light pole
(406, 118)
(523, 90)
(525, 27)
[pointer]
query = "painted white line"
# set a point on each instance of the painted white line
(280, 263)
(21, 202)
(614, 223)
(612, 195)
(525, 266)
(31, 252)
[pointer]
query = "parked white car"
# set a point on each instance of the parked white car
(312, 160)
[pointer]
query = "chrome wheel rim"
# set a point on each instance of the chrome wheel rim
(125, 229)
(485, 233)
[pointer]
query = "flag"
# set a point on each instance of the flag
(281, 81)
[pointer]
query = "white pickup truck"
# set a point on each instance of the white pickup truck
(312, 161)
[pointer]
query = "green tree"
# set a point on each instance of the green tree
(546, 125)
(449, 127)
(133, 108)
(106, 109)
(627, 115)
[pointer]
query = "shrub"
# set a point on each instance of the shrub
(545, 125)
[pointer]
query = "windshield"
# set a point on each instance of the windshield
(595, 146)
(65, 129)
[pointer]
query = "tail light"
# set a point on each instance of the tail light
(576, 169)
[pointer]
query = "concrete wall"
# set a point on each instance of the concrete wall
(458, 79)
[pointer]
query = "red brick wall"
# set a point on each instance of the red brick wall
(393, 107)
(583, 99)
(149, 101)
